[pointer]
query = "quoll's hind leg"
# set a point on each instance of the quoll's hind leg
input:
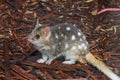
(43, 59)
(70, 61)
(70, 58)
(82, 59)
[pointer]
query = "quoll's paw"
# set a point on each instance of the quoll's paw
(49, 61)
(40, 61)
(69, 62)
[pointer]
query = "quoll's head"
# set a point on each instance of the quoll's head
(39, 34)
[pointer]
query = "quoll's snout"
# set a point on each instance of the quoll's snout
(26, 38)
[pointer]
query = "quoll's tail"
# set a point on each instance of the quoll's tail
(101, 66)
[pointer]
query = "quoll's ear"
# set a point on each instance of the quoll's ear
(47, 31)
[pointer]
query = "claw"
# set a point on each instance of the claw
(48, 62)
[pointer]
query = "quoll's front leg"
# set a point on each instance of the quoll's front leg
(43, 59)
(49, 61)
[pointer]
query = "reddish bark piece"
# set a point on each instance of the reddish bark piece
(6, 58)
(77, 79)
(48, 76)
(23, 72)
(16, 76)
(37, 65)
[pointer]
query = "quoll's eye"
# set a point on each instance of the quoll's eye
(37, 36)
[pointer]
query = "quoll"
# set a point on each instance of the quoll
(68, 41)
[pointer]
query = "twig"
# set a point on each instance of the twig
(108, 9)
(23, 73)
(18, 40)
(6, 58)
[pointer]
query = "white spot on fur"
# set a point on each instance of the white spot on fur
(83, 52)
(84, 37)
(86, 42)
(40, 24)
(74, 48)
(68, 28)
(84, 46)
(45, 47)
(56, 36)
(80, 47)
(66, 46)
(53, 46)
(73, 37)
(80, 39)
(59, 27)
(79, 34)
(62, 35)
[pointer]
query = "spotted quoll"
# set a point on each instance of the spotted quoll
(68, 41)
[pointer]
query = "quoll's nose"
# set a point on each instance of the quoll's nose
(27, 37)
